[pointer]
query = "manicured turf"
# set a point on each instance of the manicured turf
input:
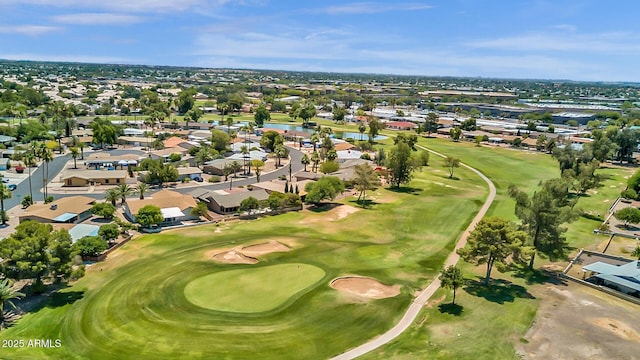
(134, 306)
(252, 290)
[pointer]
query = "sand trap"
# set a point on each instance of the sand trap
(365, 287)
(234, 257)
(265, 248)
(619, 328)
(345, 210)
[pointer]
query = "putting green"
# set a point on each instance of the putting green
(252, 290)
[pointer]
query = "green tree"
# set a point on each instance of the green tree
(186, 100)
(30, 160)
(7, 293)
(328, 167)
(200, 209)
(494, 241)
(219, 140)
(455, 133)
(451, 163)
(280, 151)
(105, 210)
(630, 215)
(305, 160)
(315, 160)
(141, 189)
(307, 113)
(90, 246)
(431, 123)
(257, 166)
(5, 193)
(249, 205)
(109, 232)
(362, 128)
(326, 188)
(270, 139)
(124, 190)
(75, 153)
(35, 251)
(451, 278)
(374, 129)
(364, 179)
(112, 195)
(542, 216)
(400, 165)
(27, 201)
(636, 252)
(149, 215)
(601, 147)
(261, 116)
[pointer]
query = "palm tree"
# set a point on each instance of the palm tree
(124, 190)
(226, 171)
(245, 156)
(305, 161)
(361, 128)
(81, 145)
(229, 122)
(29, 160)
(142, 188)
(280, 152)
(5, 193)
(112, 195)
(75, 152)
(46, 155)
(7, 293)
(235, 167)
(315, 159)
(315, 138)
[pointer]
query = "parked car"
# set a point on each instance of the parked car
(198, 179)
(13, 187)
(5, 180)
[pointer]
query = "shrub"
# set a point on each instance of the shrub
(629, 194)
(365, 156)
(48, 199)
(90, 246)
(214, 179)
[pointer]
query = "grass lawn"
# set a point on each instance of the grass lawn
(139, 303)
(236, 290)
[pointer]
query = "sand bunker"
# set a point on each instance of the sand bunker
(337, 213)
(234, 257)
(247, 254)
(619, 328)
(265, 248)
(365, 287)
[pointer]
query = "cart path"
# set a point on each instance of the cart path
(426, 294)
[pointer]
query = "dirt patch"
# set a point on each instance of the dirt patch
(577, 322)
(265, 248)
(234, 257)
(344, 211)
(336, 213)
(617, 327)
(365, 287)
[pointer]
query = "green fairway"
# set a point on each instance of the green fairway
(134, 304)
(253, 289)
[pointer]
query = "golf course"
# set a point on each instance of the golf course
(174, 294)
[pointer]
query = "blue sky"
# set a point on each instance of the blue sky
(549, 39)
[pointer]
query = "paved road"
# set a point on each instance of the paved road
(56, 165)
(426, 294)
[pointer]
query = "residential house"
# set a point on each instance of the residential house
(72, 209)
(175, 207)
(227, 202)
(82, 177)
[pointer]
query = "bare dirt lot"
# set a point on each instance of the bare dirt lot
(577, 322)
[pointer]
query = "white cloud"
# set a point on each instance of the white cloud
(70, 58)
(372, 8)
(127, 5)
(603, 43)
(97, 19)
(31, 30)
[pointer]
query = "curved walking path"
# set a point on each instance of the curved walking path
(426, 294)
